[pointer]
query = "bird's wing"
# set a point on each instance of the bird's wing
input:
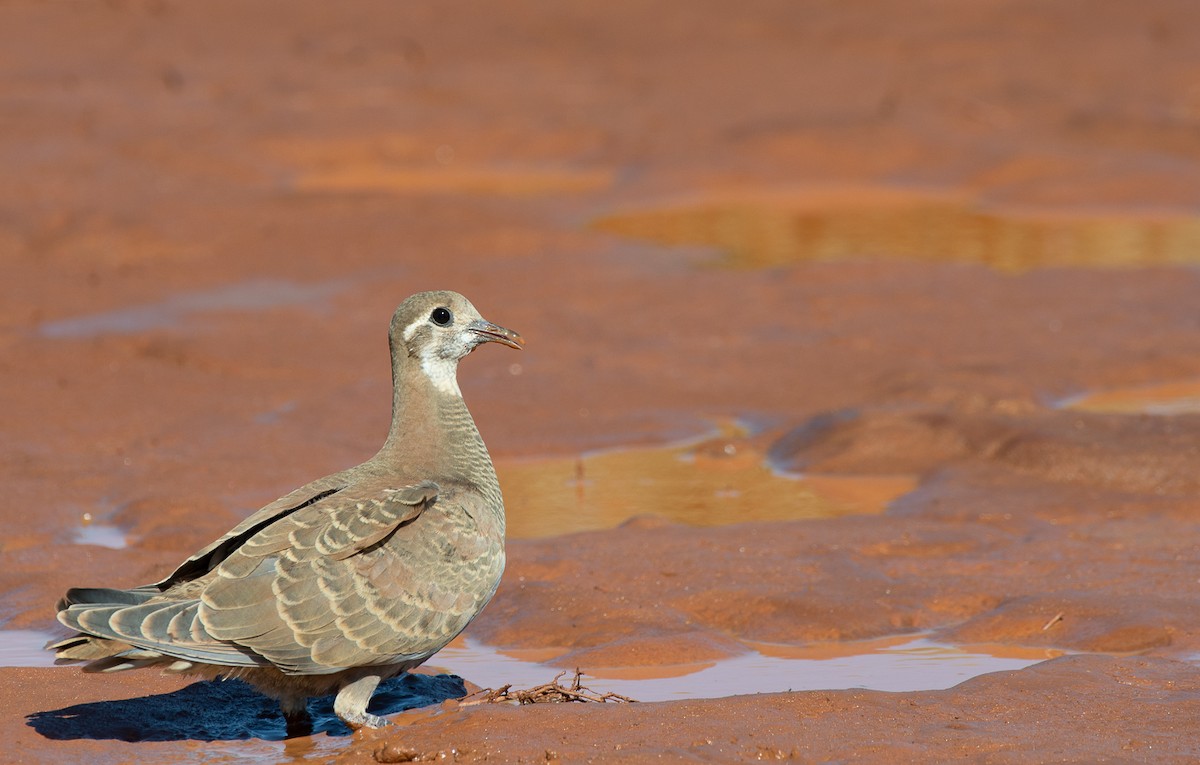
(323, 588)
(210, 556)
(336, 527)
(273, 595)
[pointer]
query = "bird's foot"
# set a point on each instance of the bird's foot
(350, 705)
(364, 720)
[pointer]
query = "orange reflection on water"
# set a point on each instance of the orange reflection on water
(907, 644)
(829, 650)
(1180, 397)
(776, 228)
(714, 482)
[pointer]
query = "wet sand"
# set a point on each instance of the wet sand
(714, 229)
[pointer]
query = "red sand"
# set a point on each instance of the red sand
(158, 155)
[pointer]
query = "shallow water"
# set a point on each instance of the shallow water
(904, 663)
(768, 229)
(715, 480)
(100, 534)
(898, 663)
(1170, 398)
(23, 648)
(253, 295)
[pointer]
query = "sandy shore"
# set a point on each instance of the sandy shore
(889, 248)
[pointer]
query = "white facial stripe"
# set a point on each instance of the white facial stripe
(411, 329)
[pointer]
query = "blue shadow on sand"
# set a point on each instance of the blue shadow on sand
(226, 710)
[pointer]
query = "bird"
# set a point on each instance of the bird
(347, 581)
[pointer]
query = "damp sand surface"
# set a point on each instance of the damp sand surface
(835, 362)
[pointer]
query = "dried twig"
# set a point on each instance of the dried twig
(1053, 621)
(552, 692)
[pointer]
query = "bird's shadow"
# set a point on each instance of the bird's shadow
(226, 710)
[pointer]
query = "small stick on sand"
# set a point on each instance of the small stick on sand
(548, 693)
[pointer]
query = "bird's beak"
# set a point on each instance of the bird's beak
(491, 333)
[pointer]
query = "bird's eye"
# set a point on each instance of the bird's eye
(441, 316)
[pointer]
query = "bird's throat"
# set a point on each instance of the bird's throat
(425, 400)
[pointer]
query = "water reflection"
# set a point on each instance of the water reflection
(100, 534)
(776, 229)
(1180, 397)
(714, 481)
(24, 648)
(903, 663)
(894, 663)
(253, 295)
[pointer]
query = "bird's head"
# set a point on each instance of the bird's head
(439, 328)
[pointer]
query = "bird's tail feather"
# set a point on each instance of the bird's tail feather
(124, 629)
(106, 596)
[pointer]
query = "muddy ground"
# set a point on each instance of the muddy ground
(885, 239)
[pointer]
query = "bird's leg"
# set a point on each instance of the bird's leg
(351, 703)
(296, 717)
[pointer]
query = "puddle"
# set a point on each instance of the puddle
(23, 648)
(100, 534)
(714, 481)
(898, 663)
(254, 295)
(904, 663)
(90, 532)
(770, 229)
(1160, 399)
